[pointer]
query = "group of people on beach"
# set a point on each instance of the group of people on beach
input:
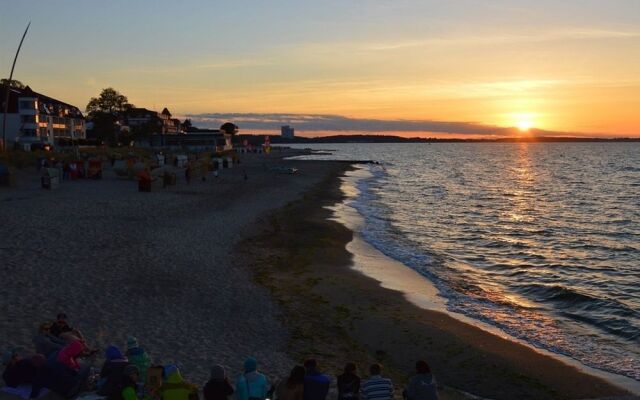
(131, 375)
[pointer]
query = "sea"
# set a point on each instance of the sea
(539, 240)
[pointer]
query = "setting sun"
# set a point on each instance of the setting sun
(524, 121)
(524, 125)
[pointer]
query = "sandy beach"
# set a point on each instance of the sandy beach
(154, 265)
(215, 271)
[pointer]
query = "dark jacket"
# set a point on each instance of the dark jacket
(316, 386)
(20, 373)
(217, 390)
(47, 344)
(56, 377)
(421, 387)
(112, 373)
(57, 328)
(348, 386)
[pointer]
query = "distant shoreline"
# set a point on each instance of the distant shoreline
(259, 139)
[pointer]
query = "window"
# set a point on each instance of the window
(28, 104)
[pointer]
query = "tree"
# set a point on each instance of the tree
(110, 101)
(104, 111)
(229, 128)
(187, 125)
(13, 83)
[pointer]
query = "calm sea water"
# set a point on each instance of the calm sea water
(541, 240)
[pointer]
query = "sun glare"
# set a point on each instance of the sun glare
(524, 125)
(523, 121)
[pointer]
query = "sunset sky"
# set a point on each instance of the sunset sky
(459, 67)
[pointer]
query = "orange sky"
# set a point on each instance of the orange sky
(570, 66)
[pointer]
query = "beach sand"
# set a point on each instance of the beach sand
(215, 271)
(154, 265)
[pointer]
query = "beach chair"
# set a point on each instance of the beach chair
(95, 169)
(5, 176)
(144, 181)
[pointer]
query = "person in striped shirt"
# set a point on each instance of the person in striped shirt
(376, 387)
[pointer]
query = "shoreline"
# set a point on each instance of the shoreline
(303, 260)
(420, 291)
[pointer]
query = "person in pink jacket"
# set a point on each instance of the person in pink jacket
(69, 355)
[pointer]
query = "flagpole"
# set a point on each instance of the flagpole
(6, 97)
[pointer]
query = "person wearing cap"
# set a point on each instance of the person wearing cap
(138, 357)
(218, 387)
(111, 373)
(251, 385)
(17, 371)
(175, 387)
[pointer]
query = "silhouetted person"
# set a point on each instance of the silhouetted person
(349, 383)
(251, 385)
(218, 387)
(422, 386)
(376, 387)
(292, 388)
(316, 384)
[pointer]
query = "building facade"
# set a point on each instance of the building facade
(287, 132)
(162, 122)
(35, 118)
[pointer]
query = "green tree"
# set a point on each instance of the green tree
(110, 101)
(13, 83)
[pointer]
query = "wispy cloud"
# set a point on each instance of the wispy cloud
(569, 34)
(338, 123)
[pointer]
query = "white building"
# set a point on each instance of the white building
(35, 118)
(287, 132)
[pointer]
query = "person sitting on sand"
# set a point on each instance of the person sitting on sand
(54, 376)
(422, 386)
(129, 384)
(316, 384)
(349, 383)
(111, 374)
(18, 371)
(251, 385)
(175, 387)
(45, 342)
(376, 387)
(218, 387)
(292, 388)
(63, 330)
(138, 357)
(69, 355)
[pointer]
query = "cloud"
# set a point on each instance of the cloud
(338, 124)
(538, 37)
